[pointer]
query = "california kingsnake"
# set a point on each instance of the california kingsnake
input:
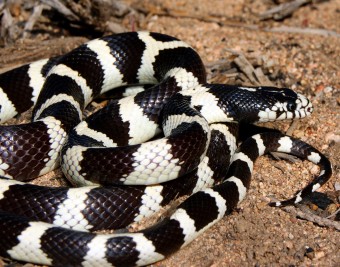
(181, 102)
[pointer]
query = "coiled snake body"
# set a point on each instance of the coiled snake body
(50, 225)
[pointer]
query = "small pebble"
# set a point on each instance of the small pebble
(324, 147)
(298, 133)
(328, 89)
(337, 186)
(289, 244)
(319, 88)
(332, 137)
(299, 255)
(314, 170)
(293, 220)
(309, 252)
(313, 206)
(250, 254)
(332, 208)
(319, 254)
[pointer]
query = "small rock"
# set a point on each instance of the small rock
(304, 82)
(332, 208)
(309, 252)
(328, 89)
(332, 137)
(319, 254)
(293, 220)
(299, 133)
(314, 170)
(337, 186)
(319, 88)
(241, 226)
(290, 236)
(289, 244)
(299, 254)
(250, 254)
(313, 206)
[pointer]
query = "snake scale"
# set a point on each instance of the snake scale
(177, 137)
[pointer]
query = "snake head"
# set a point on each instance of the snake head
(284, 104)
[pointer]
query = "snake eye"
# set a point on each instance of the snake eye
(291, 106)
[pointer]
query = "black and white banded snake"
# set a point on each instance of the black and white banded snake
(198, 120)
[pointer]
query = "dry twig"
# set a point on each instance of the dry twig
(303, 31)
(309, 216)
(284, 10)
(32, 20)
(62, 9)
(255, 76)
(285, 156)
(292, 127)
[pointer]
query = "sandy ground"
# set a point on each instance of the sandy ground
(256, 234)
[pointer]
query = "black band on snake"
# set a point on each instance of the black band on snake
(110, 152)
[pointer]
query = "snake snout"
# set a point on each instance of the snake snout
(304, 107)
